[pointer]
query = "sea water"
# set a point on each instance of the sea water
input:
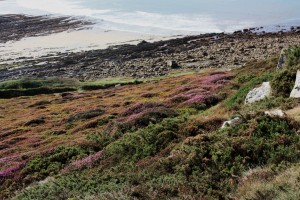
(167, 17)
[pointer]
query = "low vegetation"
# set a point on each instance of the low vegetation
(157, 140)
(31, 86)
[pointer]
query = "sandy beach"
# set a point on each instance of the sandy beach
(30, 37)
(70, 41)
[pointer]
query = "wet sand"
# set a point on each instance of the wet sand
(69, 41)
(26, 37)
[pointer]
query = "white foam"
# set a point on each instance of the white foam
(137, 21)
(65, 7)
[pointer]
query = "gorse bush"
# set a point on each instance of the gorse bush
(11, 93)
(168, 149)
(145, 142)
(31, 87)
(204, 164)
(283, 82)
(43, 165)
(29, 83)
(293, 56)
(97, 86)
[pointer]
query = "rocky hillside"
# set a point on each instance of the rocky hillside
(210, 134)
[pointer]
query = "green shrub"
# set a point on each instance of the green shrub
(283, 82)
(145, 142)
(205, 166)
(29, 83)
(293, 56)
(95, 86)
(21, 84)
(11, 93)
(44, 165)
(245, 78)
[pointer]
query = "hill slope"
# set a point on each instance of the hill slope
(156, 140)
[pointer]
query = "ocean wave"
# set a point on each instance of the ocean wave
(138, 21)
(135, 21)
(64, 7)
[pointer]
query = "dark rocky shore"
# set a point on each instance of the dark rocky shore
(16, 27)
(149, 59)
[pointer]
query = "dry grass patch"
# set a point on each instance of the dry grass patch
(264, 183)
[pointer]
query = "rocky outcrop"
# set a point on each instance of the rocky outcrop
(282, 60)
(259, 93)
(296, 90)
(276, 112)
(231, 123)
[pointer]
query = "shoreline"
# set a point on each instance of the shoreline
(136, 56)
(70, 41)
(37, 36)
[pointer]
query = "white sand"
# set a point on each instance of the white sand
(69, 41)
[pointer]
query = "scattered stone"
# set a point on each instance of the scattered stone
(296, 90)
(277, 112)
(232, 123)
(259, 93)
(149, 59)
(172, 64)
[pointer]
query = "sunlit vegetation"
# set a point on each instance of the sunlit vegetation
(160, 139)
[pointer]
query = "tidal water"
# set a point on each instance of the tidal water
(167, 17)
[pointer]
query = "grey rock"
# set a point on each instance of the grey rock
(232, 123)
(276, 112)
(172, 64)
(282, 60)
(296, 90)
(259, 93)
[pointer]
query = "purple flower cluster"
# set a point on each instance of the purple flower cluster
(9, 172)
(183, 89)
(216, 79)
(6, 159)
(86, 162)
(201, 91)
